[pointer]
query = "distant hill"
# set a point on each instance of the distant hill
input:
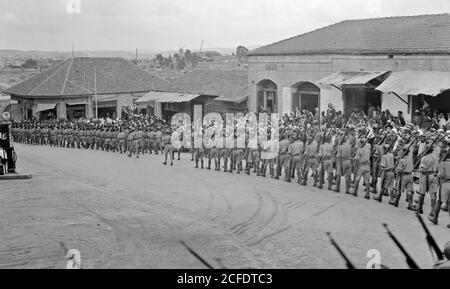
(144, 53)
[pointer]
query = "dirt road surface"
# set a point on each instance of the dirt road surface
(122, 212)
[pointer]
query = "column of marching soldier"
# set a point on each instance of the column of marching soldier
(391, 162)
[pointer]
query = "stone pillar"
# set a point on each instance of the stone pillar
(158, 109)
(90, 107)
(61, 110)
(286, 100)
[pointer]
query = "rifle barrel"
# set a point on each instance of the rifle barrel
(430, 240)
(347, 260)
(196, 255)
(409, 259)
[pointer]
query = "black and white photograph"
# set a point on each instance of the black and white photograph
(251, 135)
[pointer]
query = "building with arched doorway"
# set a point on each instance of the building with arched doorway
(346, 64)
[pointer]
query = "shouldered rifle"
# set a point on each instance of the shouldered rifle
(409, 260)
(196, 255)
(419, 158)
(430, 240)
(335, 245)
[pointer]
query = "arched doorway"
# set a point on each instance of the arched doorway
(267, 95)
(305, 96)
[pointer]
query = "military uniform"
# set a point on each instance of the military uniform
(428, 180)
(404, 171)
(344, 167)
(296, 150)
(387, 164)
(284, 160)
(326, 156)
(362, 161)
(121, 141)
(312, 161)
(166, 140)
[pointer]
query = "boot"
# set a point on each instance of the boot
(347, 188)
(367, 196)
(392, 200)
(419, 207)
(379, 197)
(209, 165)
(409, 200)
(435, 215)
(396, 200)
(338, 184)
(433, 206)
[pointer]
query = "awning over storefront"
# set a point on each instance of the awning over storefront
(430, 83)
(45, 106)
(237, 99)
(351, 77)
(77, 103)
(170, 97)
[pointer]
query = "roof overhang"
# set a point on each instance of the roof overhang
(45, 106)
(341, 78)
(411, 82)
(168, 97)
(237, 100)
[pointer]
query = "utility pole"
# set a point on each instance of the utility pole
(136, 56)
(95, 91)
(72, 49)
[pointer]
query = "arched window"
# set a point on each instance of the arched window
(267, 95)
(305, 96)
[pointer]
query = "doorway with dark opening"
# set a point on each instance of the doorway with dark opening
(360, 97)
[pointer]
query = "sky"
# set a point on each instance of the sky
(156, 25)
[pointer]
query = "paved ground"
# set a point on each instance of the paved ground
(132, 213)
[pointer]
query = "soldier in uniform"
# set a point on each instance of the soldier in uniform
(151, 138)
(428, 180)
(108, 139)
(296, 149)
(166, 139)
(404, 171)
(237, 156)
(444, 182)
(326, 157)
(387, 164)
(445, 264)
(311, 154)
(45, 135)
(114, 139)
(52, 134)
(129, 141)
(146, 138)
(344, 166)
(362, 161)
(121, 139)
(158, 139)
(283, 160)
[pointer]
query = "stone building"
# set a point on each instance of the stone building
(345, 64)
(219, 91)
(82, 87)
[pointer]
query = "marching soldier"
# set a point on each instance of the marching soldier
(404, 170)
(296, 150)
(444, 182)
(158, 139)
(428, 181)
(362, 161)
(166, 139)
(326, 157)
(344, 166)
(121, 140)
(311, 154)
(284, 159)
(387, 164)
(114, 139)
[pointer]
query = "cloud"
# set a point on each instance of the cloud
(168, 24)
(8, 17)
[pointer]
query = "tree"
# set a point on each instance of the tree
(241, 53)
(159, 59)
(30, 63)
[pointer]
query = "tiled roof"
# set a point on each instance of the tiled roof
(391, 35)
(75, 77)
(231, 84)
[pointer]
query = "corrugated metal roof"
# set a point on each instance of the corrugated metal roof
(45, 106)
(416, 82)
(170, 97)
(81, 75)
(391, 35)
(351, 77)
(237, 99)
